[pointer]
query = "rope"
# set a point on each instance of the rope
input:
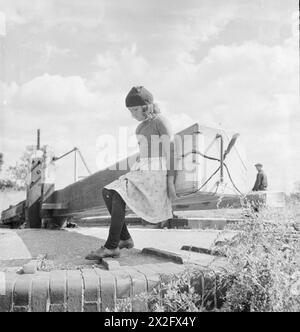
(231, 180)
(205, 183)
(201, 154)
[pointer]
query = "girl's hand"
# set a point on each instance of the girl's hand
(171, 189)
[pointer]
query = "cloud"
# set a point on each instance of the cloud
(160, 30)
(115, 70)
(53, 91)
(251, 87)
(52, 51)
(2, 24)
(204, 23)
(62, 107)
(216, 64)
(50, 13)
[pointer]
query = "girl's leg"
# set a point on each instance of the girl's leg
(118, 229)
(125, 235)
(107, 196)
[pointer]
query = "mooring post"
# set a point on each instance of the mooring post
(41, 185)
(34, 190)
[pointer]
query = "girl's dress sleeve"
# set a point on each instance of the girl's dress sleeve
(164, 129)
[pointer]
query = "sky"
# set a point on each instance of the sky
(67, 66)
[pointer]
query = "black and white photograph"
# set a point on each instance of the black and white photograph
(149, 158)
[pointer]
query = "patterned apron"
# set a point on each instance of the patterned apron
(144, 190)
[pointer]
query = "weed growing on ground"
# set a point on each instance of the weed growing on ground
(264, 271)
(264, 256)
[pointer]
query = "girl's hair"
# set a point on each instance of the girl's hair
(151, 110)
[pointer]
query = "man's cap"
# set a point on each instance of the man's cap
(139, 96)
(259, 164)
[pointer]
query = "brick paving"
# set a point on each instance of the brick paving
(89, 290)
(72, 284)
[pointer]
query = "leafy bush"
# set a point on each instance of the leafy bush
(265, 259)
(16, 176)
(7, 184)
(264, 272)
(179, 293)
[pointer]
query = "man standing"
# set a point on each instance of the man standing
(261, 182)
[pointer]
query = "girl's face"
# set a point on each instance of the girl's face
(137, 113)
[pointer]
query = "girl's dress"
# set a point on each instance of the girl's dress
(144, 188)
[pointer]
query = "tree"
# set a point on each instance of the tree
(4, 183)
(17, 174)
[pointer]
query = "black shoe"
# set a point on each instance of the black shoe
(128, 244)
(103, 253)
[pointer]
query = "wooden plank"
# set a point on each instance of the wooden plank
(197, 201)
(54, 206)
(206, 201)
(84, 199)
(85, 196)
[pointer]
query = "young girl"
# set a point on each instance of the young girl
(148, 189)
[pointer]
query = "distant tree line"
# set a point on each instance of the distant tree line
(1, 161)
(295, 195)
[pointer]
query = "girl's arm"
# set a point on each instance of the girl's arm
(168, 150)
(171, 188)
